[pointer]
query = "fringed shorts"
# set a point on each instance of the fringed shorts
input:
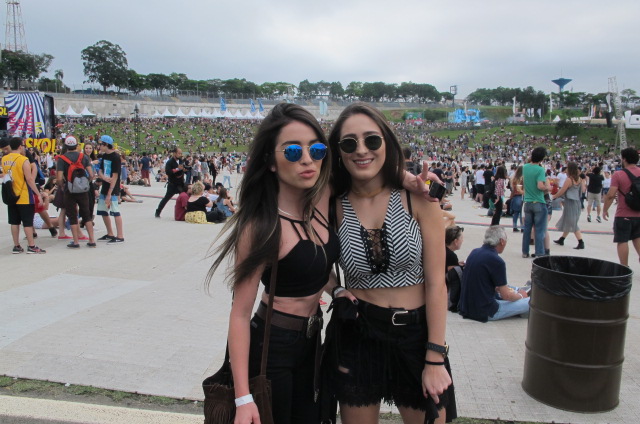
(380, 357)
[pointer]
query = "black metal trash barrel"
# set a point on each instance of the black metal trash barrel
(576, 332)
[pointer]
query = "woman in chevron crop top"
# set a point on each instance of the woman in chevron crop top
(392, 257)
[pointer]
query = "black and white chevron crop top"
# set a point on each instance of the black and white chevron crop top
(390, 256)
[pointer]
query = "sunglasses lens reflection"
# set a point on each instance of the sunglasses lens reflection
(293, 153)
(373, 142)
(318, 151)
(348, 145)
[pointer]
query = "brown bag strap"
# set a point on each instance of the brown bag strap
(267, 325)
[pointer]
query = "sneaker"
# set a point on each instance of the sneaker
(588, 218)
(598, 219)
(515, 230)
(157, 214)
(73, 245)
(322, 302)
(35, 250)
(53, 232)
(17, 249)
(106, 237)
(91, 244)
(116, 240)
(65, 237)
(83, 238)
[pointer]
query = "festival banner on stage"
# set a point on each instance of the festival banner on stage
(253, 107)
(26, 115)
(261, 109)
(223, 105)
(44, 145)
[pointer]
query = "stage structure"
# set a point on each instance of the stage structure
(14, 39)
(621, 135)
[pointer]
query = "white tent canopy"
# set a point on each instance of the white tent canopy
(72, 113)
(156, 114)
(168, 114)
(239, 114)
(227, 114)
(57, 112)
(216, 113)
(180, 114)
(86, 112)
(193, 114)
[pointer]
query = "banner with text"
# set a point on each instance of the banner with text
(26, 115)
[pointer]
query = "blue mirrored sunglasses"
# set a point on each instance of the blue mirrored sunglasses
(293, 152)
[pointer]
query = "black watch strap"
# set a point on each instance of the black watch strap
(443, 350)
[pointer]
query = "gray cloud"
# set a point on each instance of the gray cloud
(474, 44)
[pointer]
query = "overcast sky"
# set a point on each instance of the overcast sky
(471, 44)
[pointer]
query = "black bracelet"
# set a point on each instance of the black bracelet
(433, 363)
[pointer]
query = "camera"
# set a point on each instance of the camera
(436, 190)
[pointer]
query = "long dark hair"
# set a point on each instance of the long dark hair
(573, 171)
(393, 168)
(501, 173)
(258, 196)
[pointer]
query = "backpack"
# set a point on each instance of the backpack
(9, 196)
(632, 197)
(77, 179)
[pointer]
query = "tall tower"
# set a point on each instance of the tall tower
(14, 39)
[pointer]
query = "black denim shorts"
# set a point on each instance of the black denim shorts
(379, 361)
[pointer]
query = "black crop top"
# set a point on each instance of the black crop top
(305, 269)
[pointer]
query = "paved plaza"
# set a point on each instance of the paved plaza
(137, 317)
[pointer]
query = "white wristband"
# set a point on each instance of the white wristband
(337, 290)
(243, 400)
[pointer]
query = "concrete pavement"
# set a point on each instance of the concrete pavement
(137, 317)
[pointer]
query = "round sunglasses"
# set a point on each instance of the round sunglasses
(350, 144)
(293, 152)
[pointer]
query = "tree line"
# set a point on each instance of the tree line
(106, 64)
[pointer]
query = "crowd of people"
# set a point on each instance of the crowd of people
(43, 179)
